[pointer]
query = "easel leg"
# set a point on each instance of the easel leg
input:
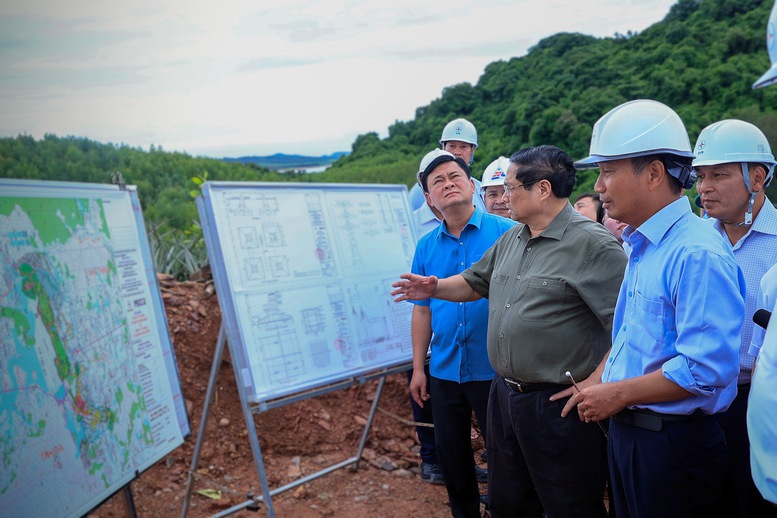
(253, 439)
(214, 373)
(129, 502)
(367, 426)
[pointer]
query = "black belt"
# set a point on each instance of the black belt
(523, 387)
(650, 420)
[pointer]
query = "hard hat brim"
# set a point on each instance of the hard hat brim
(594, 160)
(769, 78)
(737, 159)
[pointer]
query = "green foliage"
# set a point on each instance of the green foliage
(177, 252)
(198, 181)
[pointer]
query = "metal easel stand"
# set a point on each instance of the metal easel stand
(129, 502)
(248, 414)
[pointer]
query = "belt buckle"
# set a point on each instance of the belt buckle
(515, 384)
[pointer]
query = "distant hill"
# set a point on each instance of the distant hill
(280, 161)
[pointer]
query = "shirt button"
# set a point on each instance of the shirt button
(518, 278)
(461, 244)
(609, 360)
(631, 294)
(544, 283)
(636, 259)
(461, 303)
(501, 335)
(528, 249)
(462, 263)
(507, 305)
(624, 328)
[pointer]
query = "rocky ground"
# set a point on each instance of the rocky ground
(296, 440)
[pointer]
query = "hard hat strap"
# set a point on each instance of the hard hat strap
(683, 172)
(749, 213)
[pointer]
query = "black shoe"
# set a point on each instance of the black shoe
(431, 473)
(481, 474)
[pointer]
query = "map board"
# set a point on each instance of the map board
(90, 389)
(304, 274)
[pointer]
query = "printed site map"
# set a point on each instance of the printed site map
(86, 401)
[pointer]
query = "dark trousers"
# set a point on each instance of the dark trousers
(539, 460)
(674, 472)
(740, 496)
(428, 451)
(452, 406)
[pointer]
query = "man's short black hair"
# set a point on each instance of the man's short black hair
(546, 163)
(597, 201)
(674, 165)
(423, 175)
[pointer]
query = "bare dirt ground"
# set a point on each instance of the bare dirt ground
(296, 440)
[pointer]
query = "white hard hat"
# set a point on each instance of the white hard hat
(434, 158)
(461, 130)
(770, 77)
(735, 141)
(495, 172)
(639, 128)
(732, 140)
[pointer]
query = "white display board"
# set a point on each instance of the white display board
(303, 273)
(90, 389)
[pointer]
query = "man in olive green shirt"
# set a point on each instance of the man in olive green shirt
(552, 284)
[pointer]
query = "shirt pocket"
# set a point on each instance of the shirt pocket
(543, 299)
(498, 278)
(648, 317)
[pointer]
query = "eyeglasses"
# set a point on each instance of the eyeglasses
(526, 186)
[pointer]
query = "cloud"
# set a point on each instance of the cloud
(276, 62)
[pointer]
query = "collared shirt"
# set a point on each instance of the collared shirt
(458, 347)
(551, 298)
(767, 299)
(761, 424)
(755, 252)
(680, 309)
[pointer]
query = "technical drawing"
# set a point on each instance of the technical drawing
(313, 320)
(248, 237)
(273, 234)
(312, 267)
(276, 339)
(373, 313)
(320, 354)
(279, 266)
(254, 268)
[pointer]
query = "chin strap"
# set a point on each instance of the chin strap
(749, 213)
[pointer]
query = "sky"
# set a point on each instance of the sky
(234, 78)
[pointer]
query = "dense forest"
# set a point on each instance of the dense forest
(701, 60)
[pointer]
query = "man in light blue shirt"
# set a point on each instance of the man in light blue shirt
(677, 323)
(460, 371)
(761, 424)
(734, 165)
